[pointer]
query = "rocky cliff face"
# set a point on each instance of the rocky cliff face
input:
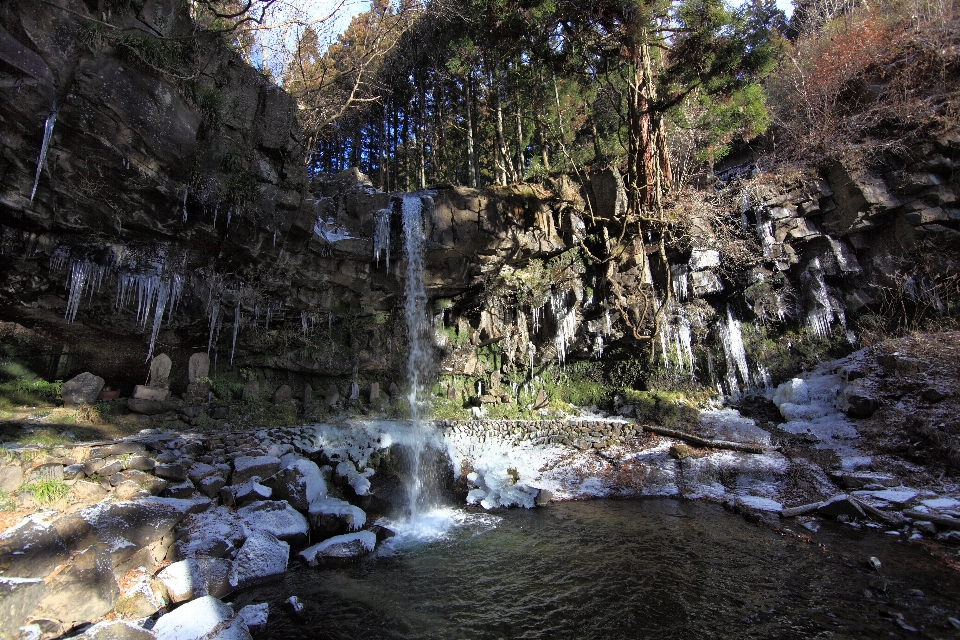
(172, 212)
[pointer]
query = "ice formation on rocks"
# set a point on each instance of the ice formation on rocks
(44, 148)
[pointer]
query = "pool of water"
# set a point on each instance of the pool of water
(654, 568)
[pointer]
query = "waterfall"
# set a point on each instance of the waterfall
(419, 330)
(44, 147)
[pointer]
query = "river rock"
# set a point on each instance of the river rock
(261, 558)
(255, 616)
(276, 517)
(176, 471)
(82, 389)
(200, 470)
(116, 630)
(239, 495)
(205, 618)
(298, 484)
(246, 467)
(197, 577)
(350, 546)
(160, 367)
(198, 367)
(211, 485)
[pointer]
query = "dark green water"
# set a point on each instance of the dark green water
(625, 569)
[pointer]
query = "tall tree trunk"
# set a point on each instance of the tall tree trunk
(504, 164)
(521, 161)
(422, 139)
(472, 174)
(475, 128)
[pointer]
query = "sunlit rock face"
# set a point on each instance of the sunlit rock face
(143, 213)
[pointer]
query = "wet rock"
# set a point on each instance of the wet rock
(82, 389)
(255, 616)
(347, 547)
(197, 577)
(261, 558)
(294, 607)
(544, 497)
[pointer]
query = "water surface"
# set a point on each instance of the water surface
(625, 569)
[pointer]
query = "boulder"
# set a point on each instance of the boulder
(151, 392)
(176, 471)
(82, 389)
(276, 517)
(239, 495)
(150, 407)
(255, 616)
(85, 589)
(117, 630)
(261, 558)
(197, 577)
(211, 485)
(198, 367)
(860, 403)
(205, 618)
(140, 594)
(246, 467)
(11, 476)
(160, 371)
(347, 547)
(32, 549)
(298, 484)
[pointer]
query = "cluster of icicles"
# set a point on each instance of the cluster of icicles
(157, 293)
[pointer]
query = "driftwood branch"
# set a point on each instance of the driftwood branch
(705, 442)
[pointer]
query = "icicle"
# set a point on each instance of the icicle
(44, 148)
(598, 346)
(679, 277)
(236, 326)
(381, 236)
(185, 192)
(685, 340)
(531, 350)
(731, 336)
(163, 295)
(269, 313)
(767, 240)
(229, 215)
(213, 313)
(79, 274)
(566, 324)
(216, 210)
(303, 321)
(820, 313)
(274, 237)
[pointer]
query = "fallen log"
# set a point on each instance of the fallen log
(705, 442)
(941, 521)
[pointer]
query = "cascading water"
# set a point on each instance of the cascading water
(419, 330)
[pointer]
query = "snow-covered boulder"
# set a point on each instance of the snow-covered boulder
(276, 517)
(197, 577)
(261, 558)
(350, 546)
(245, 467)
(205, 618)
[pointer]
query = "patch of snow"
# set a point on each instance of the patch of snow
(195, 620)
(761, 504)
(941, 503)
(261, 558)
(274, 516)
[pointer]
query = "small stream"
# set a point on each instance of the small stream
(653, 568)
